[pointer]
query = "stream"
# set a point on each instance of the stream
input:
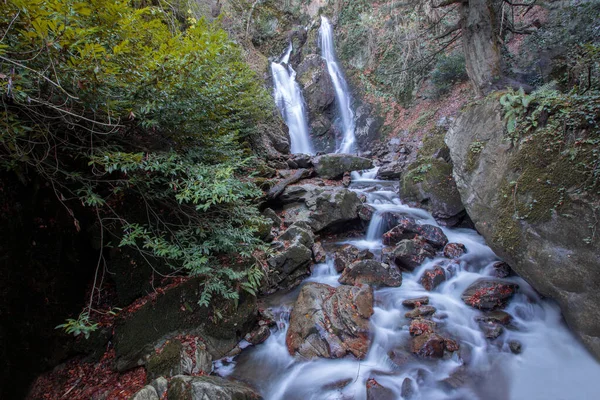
(551, 365)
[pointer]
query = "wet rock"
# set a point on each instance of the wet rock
(259, 335)
(302, 160)
(497, 316)
(346, 180)
(272, 215)
(279, 188)
(319, 254)
(429, 345)
(488, 294)
(375, 391)
(409, 254)
(347, 254)
(407, 390)
(391, 170)
(434, 189)
(330, 322)
(401, 357)
(209, 387)
(318, 90)
(321, 207)
(368, 125)
(502, 269)
(491, 330)
(176, 358)
(366, 213)
(451, 345)
(333, 166)
(458, 378)
(176, 312)
(420, 326)
(289, 266)
(146, 393)
(454, 250)
(407, 228)
(161, 385)
(416, 302)
(433, 277)
(338, 384)
(299, 233)
(515, 347)
(371, 272)
(421, 311)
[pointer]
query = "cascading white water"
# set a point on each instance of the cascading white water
(289, 100)
(342, 94)
(553, 365)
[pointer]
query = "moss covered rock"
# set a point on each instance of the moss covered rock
(430, 183)
(526, 199)
(333, 166)
(176, 311)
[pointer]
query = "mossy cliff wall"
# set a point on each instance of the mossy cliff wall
(527, 201)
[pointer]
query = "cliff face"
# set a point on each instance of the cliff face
(523, 199)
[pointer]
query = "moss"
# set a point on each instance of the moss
(432, 142)
(166, 361)
(475, 150)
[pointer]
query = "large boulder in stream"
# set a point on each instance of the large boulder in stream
(347, 254)
(321, 207)
(371, 272)
(333, 166)
(184, 387)
(289, 266)
(530, 201)
(489, 294)
(429, 183)
(140, 335)
(330, 322)
(408, 228)
(409, 254)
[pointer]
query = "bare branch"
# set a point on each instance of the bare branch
(447, 3)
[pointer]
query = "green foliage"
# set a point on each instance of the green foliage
(81, 325)
(140, 115)
(449, 70)
(418, 172)
(515, 105)
(558, 139)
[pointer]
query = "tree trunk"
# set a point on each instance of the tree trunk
(481, 43)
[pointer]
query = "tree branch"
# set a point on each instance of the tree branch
(446, 3)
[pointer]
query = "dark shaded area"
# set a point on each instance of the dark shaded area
(45, 266)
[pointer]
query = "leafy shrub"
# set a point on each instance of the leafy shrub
(449, 70)
(141, 118)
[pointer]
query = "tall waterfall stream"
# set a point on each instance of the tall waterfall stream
(289, 100)
(342, 94)
(552, 364)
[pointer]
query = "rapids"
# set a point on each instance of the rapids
(552, 364)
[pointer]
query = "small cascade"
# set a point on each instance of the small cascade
(289, 100)
(551, 364)
(342, 94)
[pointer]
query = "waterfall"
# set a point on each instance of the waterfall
(342, 94)
(290, 103)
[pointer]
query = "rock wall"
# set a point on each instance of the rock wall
(544, 233)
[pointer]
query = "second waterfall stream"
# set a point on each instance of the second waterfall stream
(342, 93)
(549, 364)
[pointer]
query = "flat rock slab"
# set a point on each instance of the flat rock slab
(330, 322)
(371, 272)
(489, 294)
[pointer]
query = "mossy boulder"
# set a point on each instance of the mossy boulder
(175, 312)
(209, 387)
(333, 166)
(526, 199)
(429, 182)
